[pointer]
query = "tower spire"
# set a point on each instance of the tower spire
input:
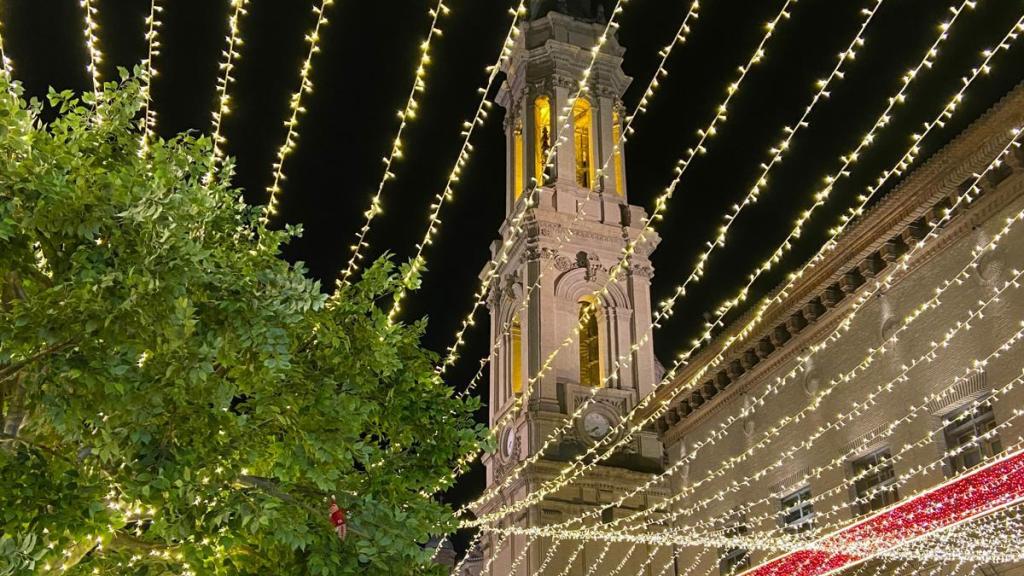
(586, 10)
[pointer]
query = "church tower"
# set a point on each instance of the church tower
(569, 257)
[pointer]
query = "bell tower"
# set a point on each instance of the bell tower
(572, 237)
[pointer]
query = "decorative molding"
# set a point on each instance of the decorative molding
(965, 390)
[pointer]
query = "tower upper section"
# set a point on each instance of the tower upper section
(571, 146)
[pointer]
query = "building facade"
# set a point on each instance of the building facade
(854, 379)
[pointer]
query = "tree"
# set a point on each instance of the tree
(175, 397)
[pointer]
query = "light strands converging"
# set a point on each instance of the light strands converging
(927, 439)
(777, 152)
(451, 354)
(295, 109)
(623, 264)
(756, 56)
(522, 556)
(515, 225)
(408, 113)
(844, 327)
(229, 59)
(418, 262)
(691, 488)
(901, 165)
(92, 45)
(752, 196)
(152, 51)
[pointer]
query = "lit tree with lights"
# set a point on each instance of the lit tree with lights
(175, 397)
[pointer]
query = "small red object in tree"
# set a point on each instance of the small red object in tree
(338, 519)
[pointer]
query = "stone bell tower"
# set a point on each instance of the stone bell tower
(572, 237)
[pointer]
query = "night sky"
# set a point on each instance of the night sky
(363, 74)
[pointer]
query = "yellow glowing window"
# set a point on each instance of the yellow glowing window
(517, 355)
(620, 187)
(590, 352)
(582, 135)
(517, 161)
(542, 133)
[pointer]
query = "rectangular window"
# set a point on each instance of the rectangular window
(970, 433)
(733, 560)
(517, 159)
(797, 511)
(875, 482)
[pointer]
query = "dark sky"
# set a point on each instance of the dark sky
(363, 74)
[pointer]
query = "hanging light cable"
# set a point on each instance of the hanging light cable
(229, 59)
(407, 114)
(296, 109)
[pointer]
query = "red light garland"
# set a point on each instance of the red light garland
(978, 493)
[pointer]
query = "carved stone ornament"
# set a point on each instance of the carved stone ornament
(590, 262)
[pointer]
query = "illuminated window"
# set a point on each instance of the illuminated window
(517, 161)
(582, 135)
(542, 133)
(590, 363)
(875, 483)
(797, 511)
(970, 433)
(517, 355)
(733, 560)
(620, 186)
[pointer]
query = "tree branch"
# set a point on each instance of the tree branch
(271, 488)
(8, 372)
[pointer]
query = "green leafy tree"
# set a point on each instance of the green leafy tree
(175, 397)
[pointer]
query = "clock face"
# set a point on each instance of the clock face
(596, 425)
(510, 442)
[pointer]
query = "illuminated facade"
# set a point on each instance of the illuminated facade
(809, 437)
(567, 258)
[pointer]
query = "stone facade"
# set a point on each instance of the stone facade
(568, 257)
(816, 305)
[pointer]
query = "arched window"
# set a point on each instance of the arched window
(542, 135)
(517, 161)
(582, 138)
(590, 353)
(620, 185)
(516, 334)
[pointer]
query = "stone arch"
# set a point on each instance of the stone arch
(573, 285)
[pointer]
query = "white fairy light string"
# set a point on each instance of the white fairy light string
(473, 543)
(844, 326)
(622, 563)
(152, 51)
(751, 198)
(522, 556)
(229, 58)
(946, 113)
(793, 543)
(296, 108)
(407, 114)
(565, 118)
(418, 262)
(787, 543)
(889, 344)
(451, 354)
(925, 440)
(92, 45)
(705, 133)
(756, 56)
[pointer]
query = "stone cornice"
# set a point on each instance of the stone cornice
(808, 310)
